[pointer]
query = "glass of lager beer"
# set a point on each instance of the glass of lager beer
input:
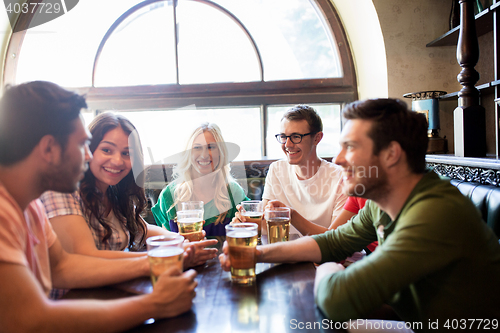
(242, 240)
(254, 212)
(164, 252)
(192, 205)
(190, 223)
(278, 224)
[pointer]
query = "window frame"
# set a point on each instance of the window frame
(173, 96)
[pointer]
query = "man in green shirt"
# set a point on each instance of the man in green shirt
(437, 262)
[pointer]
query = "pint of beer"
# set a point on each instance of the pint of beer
(254, 213)
(278, 224)
(190, 223)
(164, 252)
(192, 205)
(242, 240)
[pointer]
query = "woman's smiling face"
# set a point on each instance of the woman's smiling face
(205, 154)
(111, 161)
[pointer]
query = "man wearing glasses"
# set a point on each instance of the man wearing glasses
(308, 184)
(437, 262)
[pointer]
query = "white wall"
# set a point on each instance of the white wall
(362, 27)
(5, 33)
(407, 26)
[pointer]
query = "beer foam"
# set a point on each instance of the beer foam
(166, 252)
(252, 214)
(189, 220)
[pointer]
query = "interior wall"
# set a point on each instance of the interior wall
(5, 32)
(388, 40)
(406, 27)
(364, 33)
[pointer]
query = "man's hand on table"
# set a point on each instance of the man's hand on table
(196, 253)
(224, 260)
(173, 293)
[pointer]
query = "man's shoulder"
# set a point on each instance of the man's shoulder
(279, 164)
(437, 197)
(432, 185)
(280, 167)
(373, 210)
(37, 210)
(284, 165)
(330, 165)
(330, 169)
(8, 206)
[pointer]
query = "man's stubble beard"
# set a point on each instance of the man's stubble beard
(62, 179)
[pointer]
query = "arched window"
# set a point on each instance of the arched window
(172, 64)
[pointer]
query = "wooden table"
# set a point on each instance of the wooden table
(281, 301)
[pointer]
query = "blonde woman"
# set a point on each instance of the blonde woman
(203, 174)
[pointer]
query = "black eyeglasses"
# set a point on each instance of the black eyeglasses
(294, 137)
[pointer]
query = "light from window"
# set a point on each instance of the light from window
(140, 51)
(212, 47)
(87, 118)
(165, 133)
(63, 50)
(290, 35)
(292, 38)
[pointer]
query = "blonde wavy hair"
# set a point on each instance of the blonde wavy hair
(182, 172)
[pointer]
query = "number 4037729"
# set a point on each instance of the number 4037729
(469, 324)
(47, 8)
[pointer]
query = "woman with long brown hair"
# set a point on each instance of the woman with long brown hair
(103, 217)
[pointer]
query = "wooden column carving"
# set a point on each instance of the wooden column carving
(469, 116)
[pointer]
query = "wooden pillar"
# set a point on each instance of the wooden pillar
(469, 116)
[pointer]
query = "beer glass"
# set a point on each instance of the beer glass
(278, 224)
(164, 252)
(242, 240)
(190, 220)
(190, 223)
(192, 205)
(254, 212)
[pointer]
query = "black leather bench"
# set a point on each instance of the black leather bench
(486, 198)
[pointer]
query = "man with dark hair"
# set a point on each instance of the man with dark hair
(436, 262)
(44, 146)
(391, 123)
(34, 104)
(305, 182)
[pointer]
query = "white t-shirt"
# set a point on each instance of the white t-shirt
(319, 199)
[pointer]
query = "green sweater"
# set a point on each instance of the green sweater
(164, 216)
(436, 261)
